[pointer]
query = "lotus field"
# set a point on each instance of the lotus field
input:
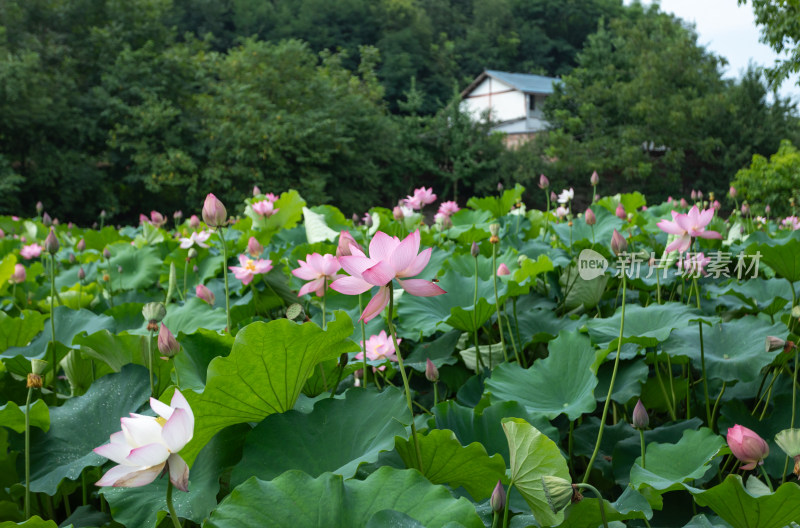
(274, 364)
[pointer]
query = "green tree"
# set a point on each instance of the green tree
(772, 182)
(780, 29)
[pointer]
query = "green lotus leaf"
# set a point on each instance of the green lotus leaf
(140, 266)
(645, 326)
(297, 500)
(337, 436)
(739, 507)
(13, 416)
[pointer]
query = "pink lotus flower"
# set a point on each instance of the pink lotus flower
(420, 198)
(791, 222)
(684, 203)
(31, 251)
(156, 219)
(379, 347)
(389, 259)
(272, 198)
(205, 294)
(693, 265)
(19, 274)
(249, 268)
(197, 237)
(502, 270)
(146, 444)
(254, 249)
(319, 269)
(345, 241)
(747, 446)
(687, 226)
(561, 212)
(265, 208)
(448, 208)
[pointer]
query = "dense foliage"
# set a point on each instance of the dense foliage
(498, 370)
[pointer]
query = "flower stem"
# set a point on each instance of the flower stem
(405, 377)
(324, 294)
(185, 276)
(150, 363)
(766, 477)
(28, 454)
(703, 356)
(478, 359)
(225, 274)
(364, 345)
(53, 317)
(610, 389)
(794, 407)
(641, 441)
(172, 515)
(505, 508)
(435, 393)
(600, 500)
(497, 302)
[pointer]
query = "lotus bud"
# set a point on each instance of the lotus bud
(355, 219)
(205, 294)
(167, 344)
(346, 241)
(747, 446)
(81, 245)
(254, 248)
(745, 208)
(106, 253)
(431, 372)
(521, 259)
(717, 206)
(368, 220)
(591, 219)
(343, 360)
(767, 209)
(177, 215)
(774, 343)
(120, 270)
(195, 269)
(544, 183)
(19, 274)
(256, 190)
(153, 313)
(214, 213)
(102, 213)
(81, 274)
(397, 213)
(732, 192)
(71, 258)
(51, 242)
(620, 212)
(2, 234)
(684, 203)
(558, 492)
(502, 270)
(700, 195)
(498, 500)
(618, 243)
(474, 250)
(191, 254)
(693, 195)
(640, 420)
(499, 186)
(194, 222)
(553, 196)
(594, 179)
(39, 207)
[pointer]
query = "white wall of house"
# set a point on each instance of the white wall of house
(505, 102)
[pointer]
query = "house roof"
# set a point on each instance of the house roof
(524, 82)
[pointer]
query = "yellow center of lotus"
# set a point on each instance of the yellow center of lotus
(161, 421)
(250, 265)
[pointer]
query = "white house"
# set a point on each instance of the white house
(513, 101)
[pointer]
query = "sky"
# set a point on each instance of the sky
(728, 30)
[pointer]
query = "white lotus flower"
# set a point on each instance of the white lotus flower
(566, 196)
(147, 443)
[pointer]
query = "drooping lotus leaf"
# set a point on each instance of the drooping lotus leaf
(140, 266)
(669, 466)
(484, 427)
(337, 436)
(13, 416)
(570, 360)
(734, 351)
(83, 423)
(646, 326)
(531, 456)
(33, 522)
(498, 206)
(264, 373)
(18, 331)
(586, 513)
(446, 461)
(783, 258)
(297, 500)
(739, 507)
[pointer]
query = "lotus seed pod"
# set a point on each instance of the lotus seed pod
(154, 312)
(558, 492)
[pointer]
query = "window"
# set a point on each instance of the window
(531, 103)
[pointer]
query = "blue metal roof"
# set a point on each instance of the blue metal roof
(525, 82)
